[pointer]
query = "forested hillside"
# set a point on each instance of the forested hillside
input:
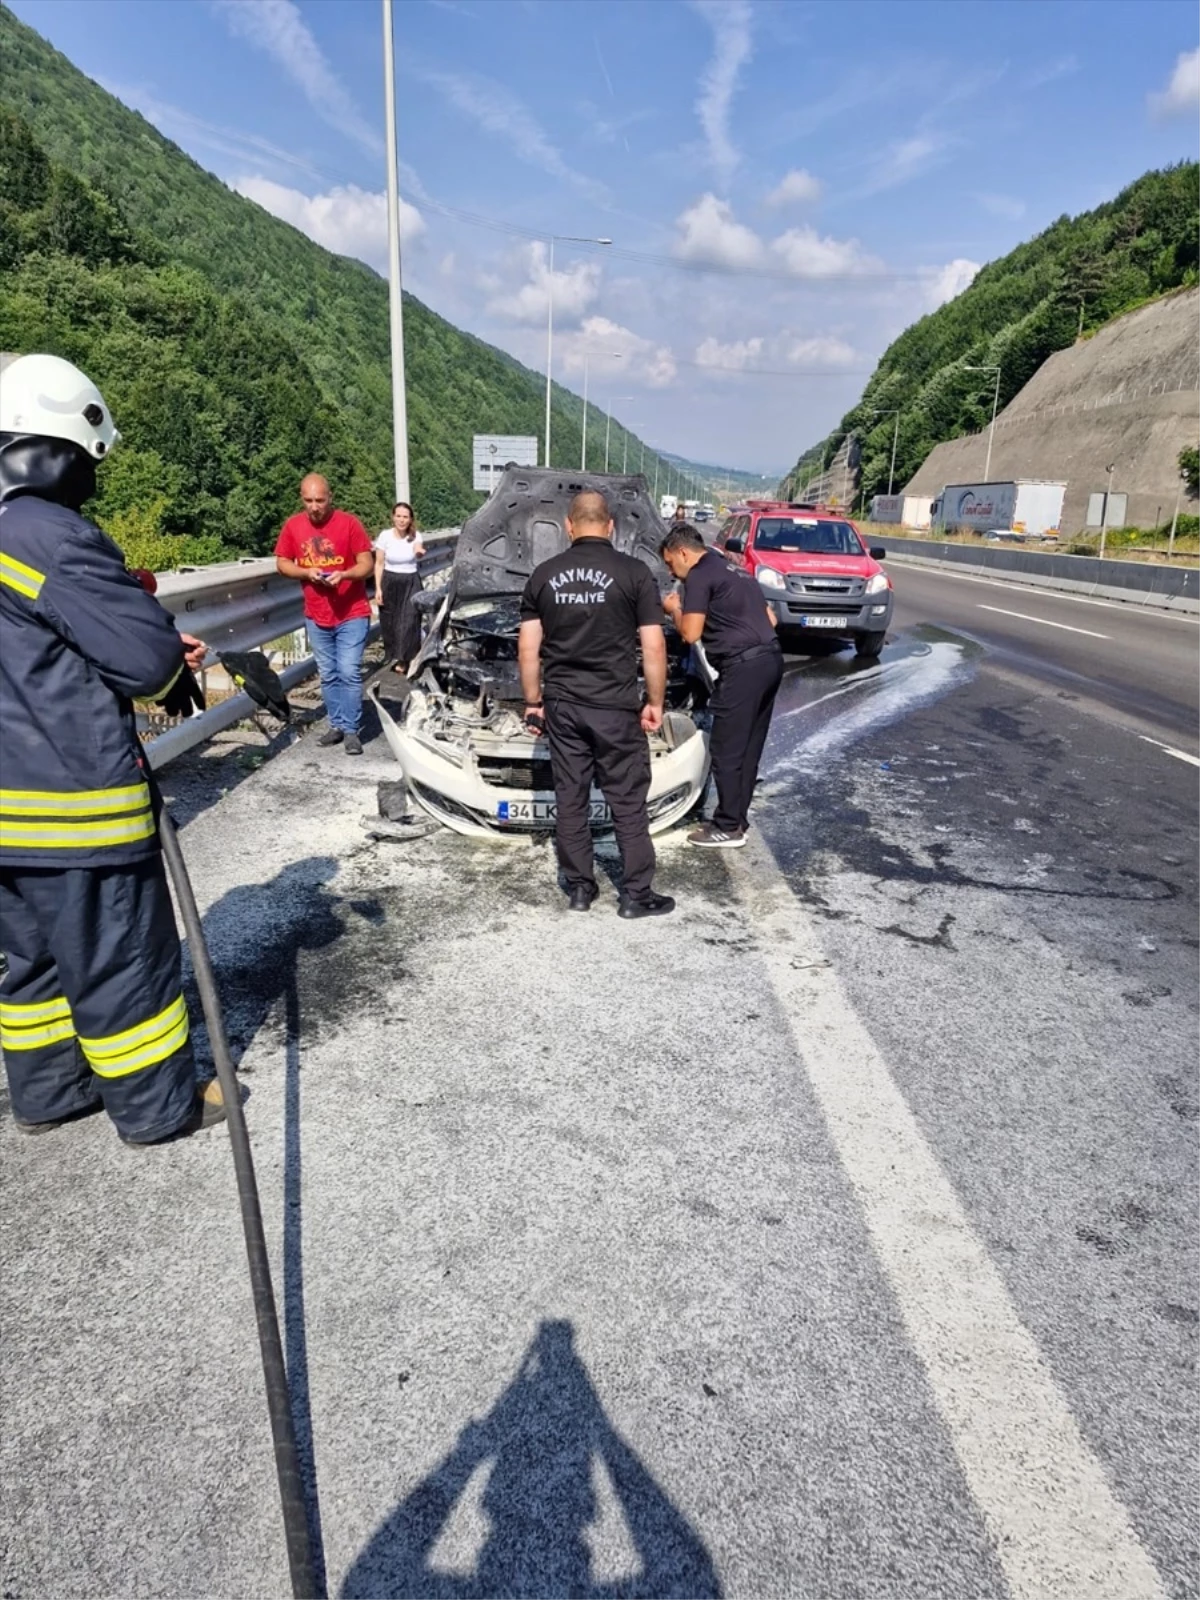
(235, 351)
(1069, 281)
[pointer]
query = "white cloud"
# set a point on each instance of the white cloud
(1002, 205)
(806, 254)
(612, 351)
(499, 112)
(1062, 68)
(776, 353)
(1182, 94)
(733, 47)
(276, 27)
(905, 159)
(574, 288)
(795, 188)
(823, 351)
(735, 356)
(350, 221)
(944, 283)
(710, 236)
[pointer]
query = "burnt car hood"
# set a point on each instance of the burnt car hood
(523, 524)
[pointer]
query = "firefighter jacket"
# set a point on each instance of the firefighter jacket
(79, 638)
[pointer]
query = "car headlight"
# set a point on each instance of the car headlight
(877, 582)
(770, 579)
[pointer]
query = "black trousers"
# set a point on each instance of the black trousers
(741, 710)
(91, 1007)
(399, 623)
(601, 745)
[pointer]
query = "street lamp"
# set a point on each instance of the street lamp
(995, 402)
(895, 439)
(587, 357)
(567, 238)
(1110, 469)
(608, 423)
(395, 299)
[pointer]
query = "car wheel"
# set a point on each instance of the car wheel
(868, 644)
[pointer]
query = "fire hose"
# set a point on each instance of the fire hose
(283, 1433)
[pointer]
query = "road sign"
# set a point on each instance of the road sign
(491, 453)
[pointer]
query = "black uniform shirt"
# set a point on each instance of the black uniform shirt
(590, 601)
(735, 613)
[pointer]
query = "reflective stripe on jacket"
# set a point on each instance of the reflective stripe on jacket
(79, 639)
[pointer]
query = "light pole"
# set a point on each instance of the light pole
(992, 429)
(1110, 469)
(567, 238)
(1174, 522)
(608, 423)
(395, 298)
(587, 357)
(895, 440)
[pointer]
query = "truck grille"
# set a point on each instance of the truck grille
(821, 588)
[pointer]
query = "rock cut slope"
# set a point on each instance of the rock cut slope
(1128, 396)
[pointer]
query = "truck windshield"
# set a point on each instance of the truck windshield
(807, 536)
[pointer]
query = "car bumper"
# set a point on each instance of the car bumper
(874, 615)
(457, 794)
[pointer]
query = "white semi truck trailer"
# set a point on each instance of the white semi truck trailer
(908, 510)
(1022, 505)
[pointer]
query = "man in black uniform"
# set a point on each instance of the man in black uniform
(583, 614)
(724, 608)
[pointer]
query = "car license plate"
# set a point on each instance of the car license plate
(545, 811)
(821, 622)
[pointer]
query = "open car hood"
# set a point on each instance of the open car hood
(523, 524)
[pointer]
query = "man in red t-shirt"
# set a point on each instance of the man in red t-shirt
(328, 551)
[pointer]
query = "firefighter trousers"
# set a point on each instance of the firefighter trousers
(91, 1006)
(605, 746)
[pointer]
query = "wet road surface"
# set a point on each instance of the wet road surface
(833, 1237)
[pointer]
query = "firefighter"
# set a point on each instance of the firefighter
(92, 1012)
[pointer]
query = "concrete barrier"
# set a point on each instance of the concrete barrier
(1135, 582)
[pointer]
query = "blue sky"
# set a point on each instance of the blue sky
(787, 185)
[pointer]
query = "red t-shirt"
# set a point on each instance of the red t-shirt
(333, 545)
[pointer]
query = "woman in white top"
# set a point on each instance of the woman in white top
(396, 582)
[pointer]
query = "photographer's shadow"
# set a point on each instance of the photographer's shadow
(542, 1438)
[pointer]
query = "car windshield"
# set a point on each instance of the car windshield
(807, 535)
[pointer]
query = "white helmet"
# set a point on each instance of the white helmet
(48, 397)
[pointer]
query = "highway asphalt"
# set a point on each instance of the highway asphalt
(835, 1237)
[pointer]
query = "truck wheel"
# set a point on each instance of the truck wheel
(868, 644)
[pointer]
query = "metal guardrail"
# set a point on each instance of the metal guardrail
(1138, 583)
(242, 605)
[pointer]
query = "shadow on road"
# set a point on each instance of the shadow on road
(539, 1446)
(258, 935)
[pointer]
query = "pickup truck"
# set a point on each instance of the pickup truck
(815, 571)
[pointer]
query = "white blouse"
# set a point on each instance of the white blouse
(399, 553)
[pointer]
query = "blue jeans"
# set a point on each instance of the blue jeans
(339, 653)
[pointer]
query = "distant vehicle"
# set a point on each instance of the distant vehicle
(666, 506)
(702, 514)
(815, 571)
(1021, 505)
(908, 510)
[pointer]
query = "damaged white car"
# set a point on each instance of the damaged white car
(454, 723)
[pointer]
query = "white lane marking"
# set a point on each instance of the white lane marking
(1058, 1528)
(1045, 621)
(1129, 607)
(1180, 755)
